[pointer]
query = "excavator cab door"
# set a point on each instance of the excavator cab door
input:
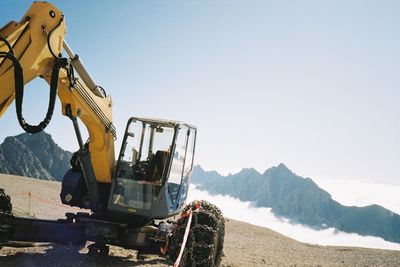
(153, 169)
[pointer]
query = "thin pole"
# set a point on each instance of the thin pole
(29, 207)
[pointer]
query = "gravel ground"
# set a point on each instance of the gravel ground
(248, 245)
(245, 244)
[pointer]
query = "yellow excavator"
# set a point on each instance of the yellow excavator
(136, 201)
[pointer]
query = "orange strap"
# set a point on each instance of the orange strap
(49, 202)
(178, 260)
(189, 214)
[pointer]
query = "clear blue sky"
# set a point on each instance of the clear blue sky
(313, 84)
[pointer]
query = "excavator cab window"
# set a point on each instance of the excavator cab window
(182, 159)
(146, 150)
(155, 154)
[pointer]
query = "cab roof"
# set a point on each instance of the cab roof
(162, 122)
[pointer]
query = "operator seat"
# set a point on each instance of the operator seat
(156, 166)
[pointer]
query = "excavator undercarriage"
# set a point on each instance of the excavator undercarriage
(204, 242)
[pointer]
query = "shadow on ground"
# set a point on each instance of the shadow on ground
(60, 256)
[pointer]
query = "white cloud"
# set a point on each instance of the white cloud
(362, 193)
(244, 211)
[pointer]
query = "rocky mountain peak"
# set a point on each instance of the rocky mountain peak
(248, 172)
(277, 171)
(34, 155)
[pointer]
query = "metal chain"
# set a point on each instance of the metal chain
(6, 208)
(200, 243)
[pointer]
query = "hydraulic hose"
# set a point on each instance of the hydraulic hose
(19, 96)
(19, 85)
(10, 49)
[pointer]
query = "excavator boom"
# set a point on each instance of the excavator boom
(37, 42)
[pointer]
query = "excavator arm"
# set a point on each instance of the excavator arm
(36, 44)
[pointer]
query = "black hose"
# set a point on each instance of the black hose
(103, 91)
(19, 95)
(10, 49)
(19, 85)
(18, 73)
(49, 36)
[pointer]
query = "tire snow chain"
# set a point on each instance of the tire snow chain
(191, 242)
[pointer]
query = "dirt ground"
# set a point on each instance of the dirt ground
(245, 244)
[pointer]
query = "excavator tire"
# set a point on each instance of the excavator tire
(5, 202)
(5, 207)
(206, 236)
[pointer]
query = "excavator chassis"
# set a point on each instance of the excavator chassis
(79, 228)
(201, 224)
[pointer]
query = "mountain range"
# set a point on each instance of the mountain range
(287, 194)
(300, 200)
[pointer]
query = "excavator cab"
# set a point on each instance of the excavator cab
(153, 170)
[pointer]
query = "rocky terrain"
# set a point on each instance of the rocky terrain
(300, 200)
(245, 244)
(34, 155)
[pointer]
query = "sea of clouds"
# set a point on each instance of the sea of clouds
(350, 193)
(362, 193)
